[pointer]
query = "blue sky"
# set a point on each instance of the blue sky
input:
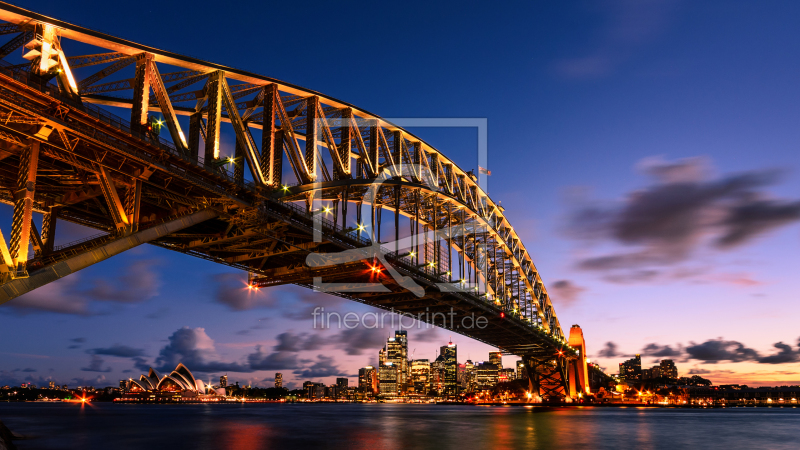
(659, 135)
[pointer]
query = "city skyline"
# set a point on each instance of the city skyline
(708, 116)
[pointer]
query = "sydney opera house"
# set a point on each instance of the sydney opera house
(179, 385)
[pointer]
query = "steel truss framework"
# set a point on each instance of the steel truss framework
(64, 157)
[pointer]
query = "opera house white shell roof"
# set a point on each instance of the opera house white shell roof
(180, 379)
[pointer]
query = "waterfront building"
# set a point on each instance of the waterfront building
(278, 380)
(651, 373)
(485, 376)
(368, 380)
(522, 374)
(420, 376)
(314, 390)
(668, 368)
(342, 383)
(496, 358)
(449, 354)
(505, 375)
(631, 369)
(53, 385)
(387, 380)
(123, 385)
(382, 356)
(223, 381)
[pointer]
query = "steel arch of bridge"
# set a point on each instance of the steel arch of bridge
(177, 194)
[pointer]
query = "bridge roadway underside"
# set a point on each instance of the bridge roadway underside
(73, 162)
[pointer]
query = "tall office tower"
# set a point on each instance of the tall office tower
(397, 354)
(368, 380)
(496, 358)
(278, 380)
(420, 376)
(522, 374)
(468, 383)
(382, 356)
(449, 356)
(223, 381)
(436, 379)
(342, 383)
(387, 379)
(123, 385)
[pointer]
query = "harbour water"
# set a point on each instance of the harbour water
(394, 426)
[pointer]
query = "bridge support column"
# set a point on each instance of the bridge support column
(548, 378)
(23, 207)
(41, 277)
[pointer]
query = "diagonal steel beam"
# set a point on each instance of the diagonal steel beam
(157, 83)
(112, 200)
(243, 136)
(90, 60)
(94, 78)
(15, 43)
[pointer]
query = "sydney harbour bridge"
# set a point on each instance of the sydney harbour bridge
(332, 198)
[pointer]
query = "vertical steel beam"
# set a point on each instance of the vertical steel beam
(373, 148)
(194, 135)
(312, 134)
(346, 139)
(397, 157)
(214, 90)
(49, 230)
(23, 207)
(133, 203)
(238, 162)
(271, 147)
(141, 94)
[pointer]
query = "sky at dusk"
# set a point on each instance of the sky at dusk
(645, 151)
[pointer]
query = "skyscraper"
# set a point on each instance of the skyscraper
(496, 358)
(668, 369)
(223, 381)
(449, 356)
(486, 376)
(420, 376)
(522, 374)
(397, 354)
(468, 382)
(631, 369)
(387, 379)
(278, 380)
(342, 383)
(382, 356)
(368, 380)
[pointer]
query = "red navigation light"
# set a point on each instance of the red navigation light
(502, 315)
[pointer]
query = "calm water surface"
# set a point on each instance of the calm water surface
(394, 426)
